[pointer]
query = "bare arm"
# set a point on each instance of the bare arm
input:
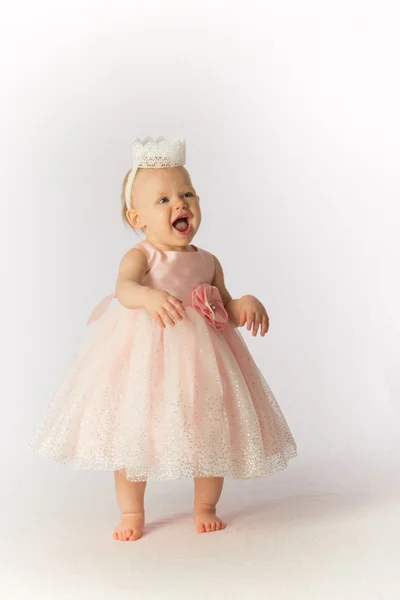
(231, 306)
(162, 306)
(246, 309)
(219, 282)
(132, 270)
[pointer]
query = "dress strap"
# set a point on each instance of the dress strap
(150, 252)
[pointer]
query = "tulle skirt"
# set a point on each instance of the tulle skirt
(185, 401)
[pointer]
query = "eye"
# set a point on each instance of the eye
(161, 200)
(188, 194)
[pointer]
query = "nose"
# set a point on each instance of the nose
(181, 203)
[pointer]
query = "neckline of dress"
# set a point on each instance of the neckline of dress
(174, 251)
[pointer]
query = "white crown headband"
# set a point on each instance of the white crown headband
(153, 154)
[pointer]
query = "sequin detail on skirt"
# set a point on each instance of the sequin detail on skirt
(185, 401)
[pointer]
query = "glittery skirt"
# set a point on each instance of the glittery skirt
(185, 401)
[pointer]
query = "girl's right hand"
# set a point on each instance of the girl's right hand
(164, 308)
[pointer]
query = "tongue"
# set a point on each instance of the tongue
(181, 224)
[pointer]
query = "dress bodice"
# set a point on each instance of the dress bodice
(173, 271)
(177, 272)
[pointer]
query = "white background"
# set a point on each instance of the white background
(290, 113)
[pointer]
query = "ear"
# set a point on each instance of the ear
(134, 218)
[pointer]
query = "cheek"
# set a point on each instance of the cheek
(162, 216)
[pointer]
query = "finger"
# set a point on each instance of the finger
(265, 325)
(250, 319)
(165, 317)
(173, 312)
(243, 318)
(177, 305)
(256, 325)
(159, 320)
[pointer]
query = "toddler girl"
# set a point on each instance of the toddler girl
(163, 386)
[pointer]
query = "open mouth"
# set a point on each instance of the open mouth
(182, 224)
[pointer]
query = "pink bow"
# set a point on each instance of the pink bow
(101, 308)
(207, 300)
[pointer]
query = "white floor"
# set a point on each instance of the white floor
(313, 532)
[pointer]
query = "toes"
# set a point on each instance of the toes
(131, 535)
(128, 533)
(214, 524)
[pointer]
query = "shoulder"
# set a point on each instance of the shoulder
(142, 254)
(208, 257)
(208, 254)
(203, 252)
(133, 259)
(217, 267)
(219, 280)
(144, 248)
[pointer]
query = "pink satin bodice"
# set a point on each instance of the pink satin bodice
(176, 272)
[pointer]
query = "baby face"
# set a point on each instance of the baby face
(166, 206)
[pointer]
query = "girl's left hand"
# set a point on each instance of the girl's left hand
(254, 314)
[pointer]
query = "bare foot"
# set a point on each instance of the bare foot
(207, 521)
(130, 527)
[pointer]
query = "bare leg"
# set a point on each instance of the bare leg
(130, 498)
(207, 491)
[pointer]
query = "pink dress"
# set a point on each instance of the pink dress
(184, 401)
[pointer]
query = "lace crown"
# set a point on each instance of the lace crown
(154, 153)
